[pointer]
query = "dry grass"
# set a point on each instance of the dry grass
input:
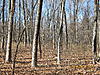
(76, 60)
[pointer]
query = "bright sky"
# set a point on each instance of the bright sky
(45, 5)
(82, 6)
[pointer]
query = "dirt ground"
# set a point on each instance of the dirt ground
(76, 60)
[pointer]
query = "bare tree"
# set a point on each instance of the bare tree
(66, 31)
(53, 17)
(10, 29)
(75, 18)
(3, 38)
(33, 5)
(19, 18)
(25, 23)
(60, 31)
(96, 33)
(36, 34)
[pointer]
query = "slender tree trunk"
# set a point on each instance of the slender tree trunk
(33, 5)
(10, 29)
(96, 36)
(3, 38)
(75, 20)
(32, 21)
(36, 34)
(53, 17)
(16, 51)
(60, 32)
(98, 23)
(25, 33)
(19, 18)
(66, 32)
(76, 17)
(9, 6)
(99, 29)
(40, 46)
(54, 37)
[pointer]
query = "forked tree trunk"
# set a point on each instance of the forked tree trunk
(36, 34)
(33, 5)
(25, 33)
(10, 29)
(60, 32)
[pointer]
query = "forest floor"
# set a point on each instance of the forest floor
(76, 60)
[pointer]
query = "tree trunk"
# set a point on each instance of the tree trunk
(66, 32)
(36, 34)
(10, 29)
(33, 5)
(53, 17)
(95, 43)
(75, 20)
(25, 33)
(16, 51)
(39, 44)
(19, 18)
(60, 32)
(3, 38)
(98, 28)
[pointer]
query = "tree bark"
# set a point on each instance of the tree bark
(60, 32)
(96, 37)
(39, 44)
(25, 33)
(66, 32)
(19, 18)
(3, 38)
(10, 29)
(53, 17)
(36, 34)
(75, 20)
